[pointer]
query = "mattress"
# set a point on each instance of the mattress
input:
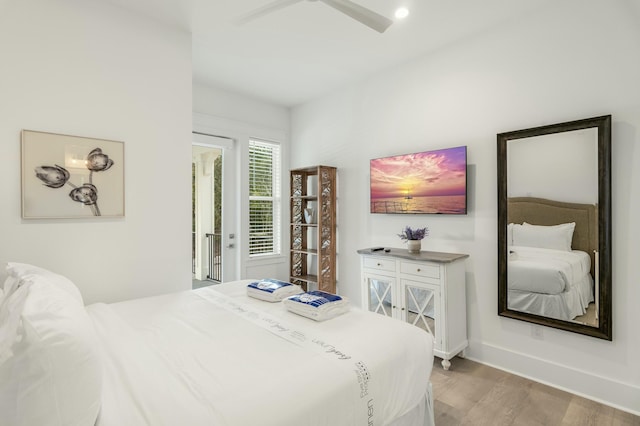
(214, 356)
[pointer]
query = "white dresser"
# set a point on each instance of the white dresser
(426, 289)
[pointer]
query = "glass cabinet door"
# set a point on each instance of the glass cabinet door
(420, 306)
(380, 296)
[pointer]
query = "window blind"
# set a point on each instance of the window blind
(264, 198)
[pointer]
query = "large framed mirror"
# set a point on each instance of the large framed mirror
(554, 226)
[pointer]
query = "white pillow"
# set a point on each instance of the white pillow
(53, 375)
(556, 237)
(22, 270)
(11, 307)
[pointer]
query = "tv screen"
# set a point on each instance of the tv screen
(430, 182)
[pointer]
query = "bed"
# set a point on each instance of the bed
(552, 255)
(211, 356)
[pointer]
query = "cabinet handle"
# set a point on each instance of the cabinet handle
(418, 270)
(402, 309)
(394, 306)
(378, 264)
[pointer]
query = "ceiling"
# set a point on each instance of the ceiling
(307, 49)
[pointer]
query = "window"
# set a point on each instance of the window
(264, 198)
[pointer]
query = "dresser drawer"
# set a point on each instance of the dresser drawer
(420, 269)
(380, 264)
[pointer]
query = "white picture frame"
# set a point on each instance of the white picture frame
(67, 176)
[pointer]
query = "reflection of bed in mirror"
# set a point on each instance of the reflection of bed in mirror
(552, 261)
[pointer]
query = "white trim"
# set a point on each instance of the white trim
(614, 393)
(204, 139)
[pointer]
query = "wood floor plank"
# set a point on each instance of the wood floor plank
(502, 401)
(471, 393)
(587, 413)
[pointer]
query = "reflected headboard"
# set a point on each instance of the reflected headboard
(540, 211)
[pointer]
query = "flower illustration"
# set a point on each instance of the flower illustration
(97, 161)
(413, 234)
(53, 176)
(87, 193)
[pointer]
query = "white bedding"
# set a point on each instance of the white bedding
(550, 283)
(564, 306)
(214, 356)
(546, 271)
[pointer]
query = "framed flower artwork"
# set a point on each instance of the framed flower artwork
(71, 176)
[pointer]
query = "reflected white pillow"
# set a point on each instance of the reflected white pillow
(556, 237)
(52, 374)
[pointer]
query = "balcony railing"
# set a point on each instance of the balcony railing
(214, 243)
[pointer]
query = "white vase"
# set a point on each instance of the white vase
(309, 215)
(414, 246)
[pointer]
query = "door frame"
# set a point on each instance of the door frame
(240, 132)
(228, 220)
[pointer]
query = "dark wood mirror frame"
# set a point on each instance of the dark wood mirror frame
(603, 126)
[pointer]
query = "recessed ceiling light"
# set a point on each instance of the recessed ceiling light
(402, 12)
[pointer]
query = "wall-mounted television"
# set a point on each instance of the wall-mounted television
(429, 182)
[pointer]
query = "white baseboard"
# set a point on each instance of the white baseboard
(620, 395)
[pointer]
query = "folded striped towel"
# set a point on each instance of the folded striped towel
(317, 305)
(272, 290)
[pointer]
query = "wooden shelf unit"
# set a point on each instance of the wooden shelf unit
(313, 245)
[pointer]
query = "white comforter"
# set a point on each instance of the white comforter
(546, 271)
(217, 357)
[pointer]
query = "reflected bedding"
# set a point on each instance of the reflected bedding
(550, 283)
(546, 271)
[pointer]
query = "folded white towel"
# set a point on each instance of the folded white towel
(272, 290)
(317, 305)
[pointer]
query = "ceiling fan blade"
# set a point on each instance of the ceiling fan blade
(264, 10)
(366, 16)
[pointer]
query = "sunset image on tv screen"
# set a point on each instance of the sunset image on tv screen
(425, 182)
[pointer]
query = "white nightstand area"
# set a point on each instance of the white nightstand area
(426, 289)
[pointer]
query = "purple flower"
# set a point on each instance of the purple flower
(413, 234)
(53, 177)
(97, 161)
(86, 194)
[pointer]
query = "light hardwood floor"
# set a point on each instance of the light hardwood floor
(475, 394)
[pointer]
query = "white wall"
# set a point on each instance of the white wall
(539, 167)
(252, 113)
(87, 68)
(222, 113)
(569, 62)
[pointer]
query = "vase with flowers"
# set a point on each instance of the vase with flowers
(414, 237)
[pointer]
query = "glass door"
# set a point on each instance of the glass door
(213, 235)
(421, 306)
(380, 295)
